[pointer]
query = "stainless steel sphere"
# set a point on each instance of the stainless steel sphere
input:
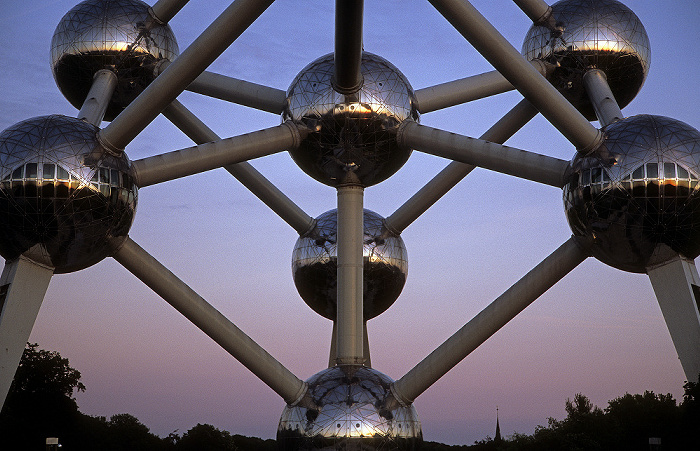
(62, 195)
(118, 35)
(315, 265)
(601, 34)
(637, 196)
(350, 415)
(351, 133)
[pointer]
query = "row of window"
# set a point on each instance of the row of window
(63, 190)
(648, 171)
(51, 172)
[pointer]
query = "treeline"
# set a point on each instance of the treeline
(627, 423)
(41, 404)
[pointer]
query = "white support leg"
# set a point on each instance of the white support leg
(677, 288)
(23, 285)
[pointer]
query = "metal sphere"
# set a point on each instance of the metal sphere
(315, 265)
(601, 34)
(637, 196)
(350, 415)
(350, 133)
(62, 195)
(119, 35)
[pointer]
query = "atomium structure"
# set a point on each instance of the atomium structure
(350, 120)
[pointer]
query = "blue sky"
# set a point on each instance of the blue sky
(599, 331)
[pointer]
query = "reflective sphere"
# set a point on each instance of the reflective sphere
(601, 34)
(118, 35)
(62, 195)
(315, 265)
(350, 415)
(350, 133)
(637, 196)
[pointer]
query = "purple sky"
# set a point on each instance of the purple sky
(598, 332)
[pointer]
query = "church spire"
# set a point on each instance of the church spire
(498, 438)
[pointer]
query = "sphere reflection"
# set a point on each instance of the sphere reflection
(601, 34)
(350, 415)
(315, 265)
(62, 195)
(118, 35)
(637, 196)
(355, 132)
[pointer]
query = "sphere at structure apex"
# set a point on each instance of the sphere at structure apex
(637, 195)
(118, 35)
(350, 415)
(315, 265)
(600, 34)
(62, 195)
(350, 133)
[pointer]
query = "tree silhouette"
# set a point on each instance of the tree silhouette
(40, 402)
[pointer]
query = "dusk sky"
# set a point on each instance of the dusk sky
(599, 331)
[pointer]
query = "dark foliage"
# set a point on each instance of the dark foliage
(41, 404)
(627, 423)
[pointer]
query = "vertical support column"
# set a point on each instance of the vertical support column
(333, 358)
(95, 105)
(606, 108)
(677, 288)
(347, 78)
(23, 285)
(350, 320)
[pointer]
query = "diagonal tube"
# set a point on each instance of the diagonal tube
(238, 91)
(509, 62)
(461, 91)
(466, 89)
(202, 314)
(97, 100)
(497, 157)
(347, 78)
(419, 203)
(241, 92)
(166, 87)
(212, 155)
(539, 12)
(164, 10)
(497, 314)
(244, 172)
(604, 104)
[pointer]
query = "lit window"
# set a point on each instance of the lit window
(18, 174)
(669, 170)
(638, 173)
(48, 171)
(652, 170)
(31, 171)
(62, 173)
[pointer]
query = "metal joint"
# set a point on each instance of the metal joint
(584, 243)
(347, 91)
(298, 133)
(398, 397)
(595, 144)
(108, 146)
(155, 18)
(401, 130)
